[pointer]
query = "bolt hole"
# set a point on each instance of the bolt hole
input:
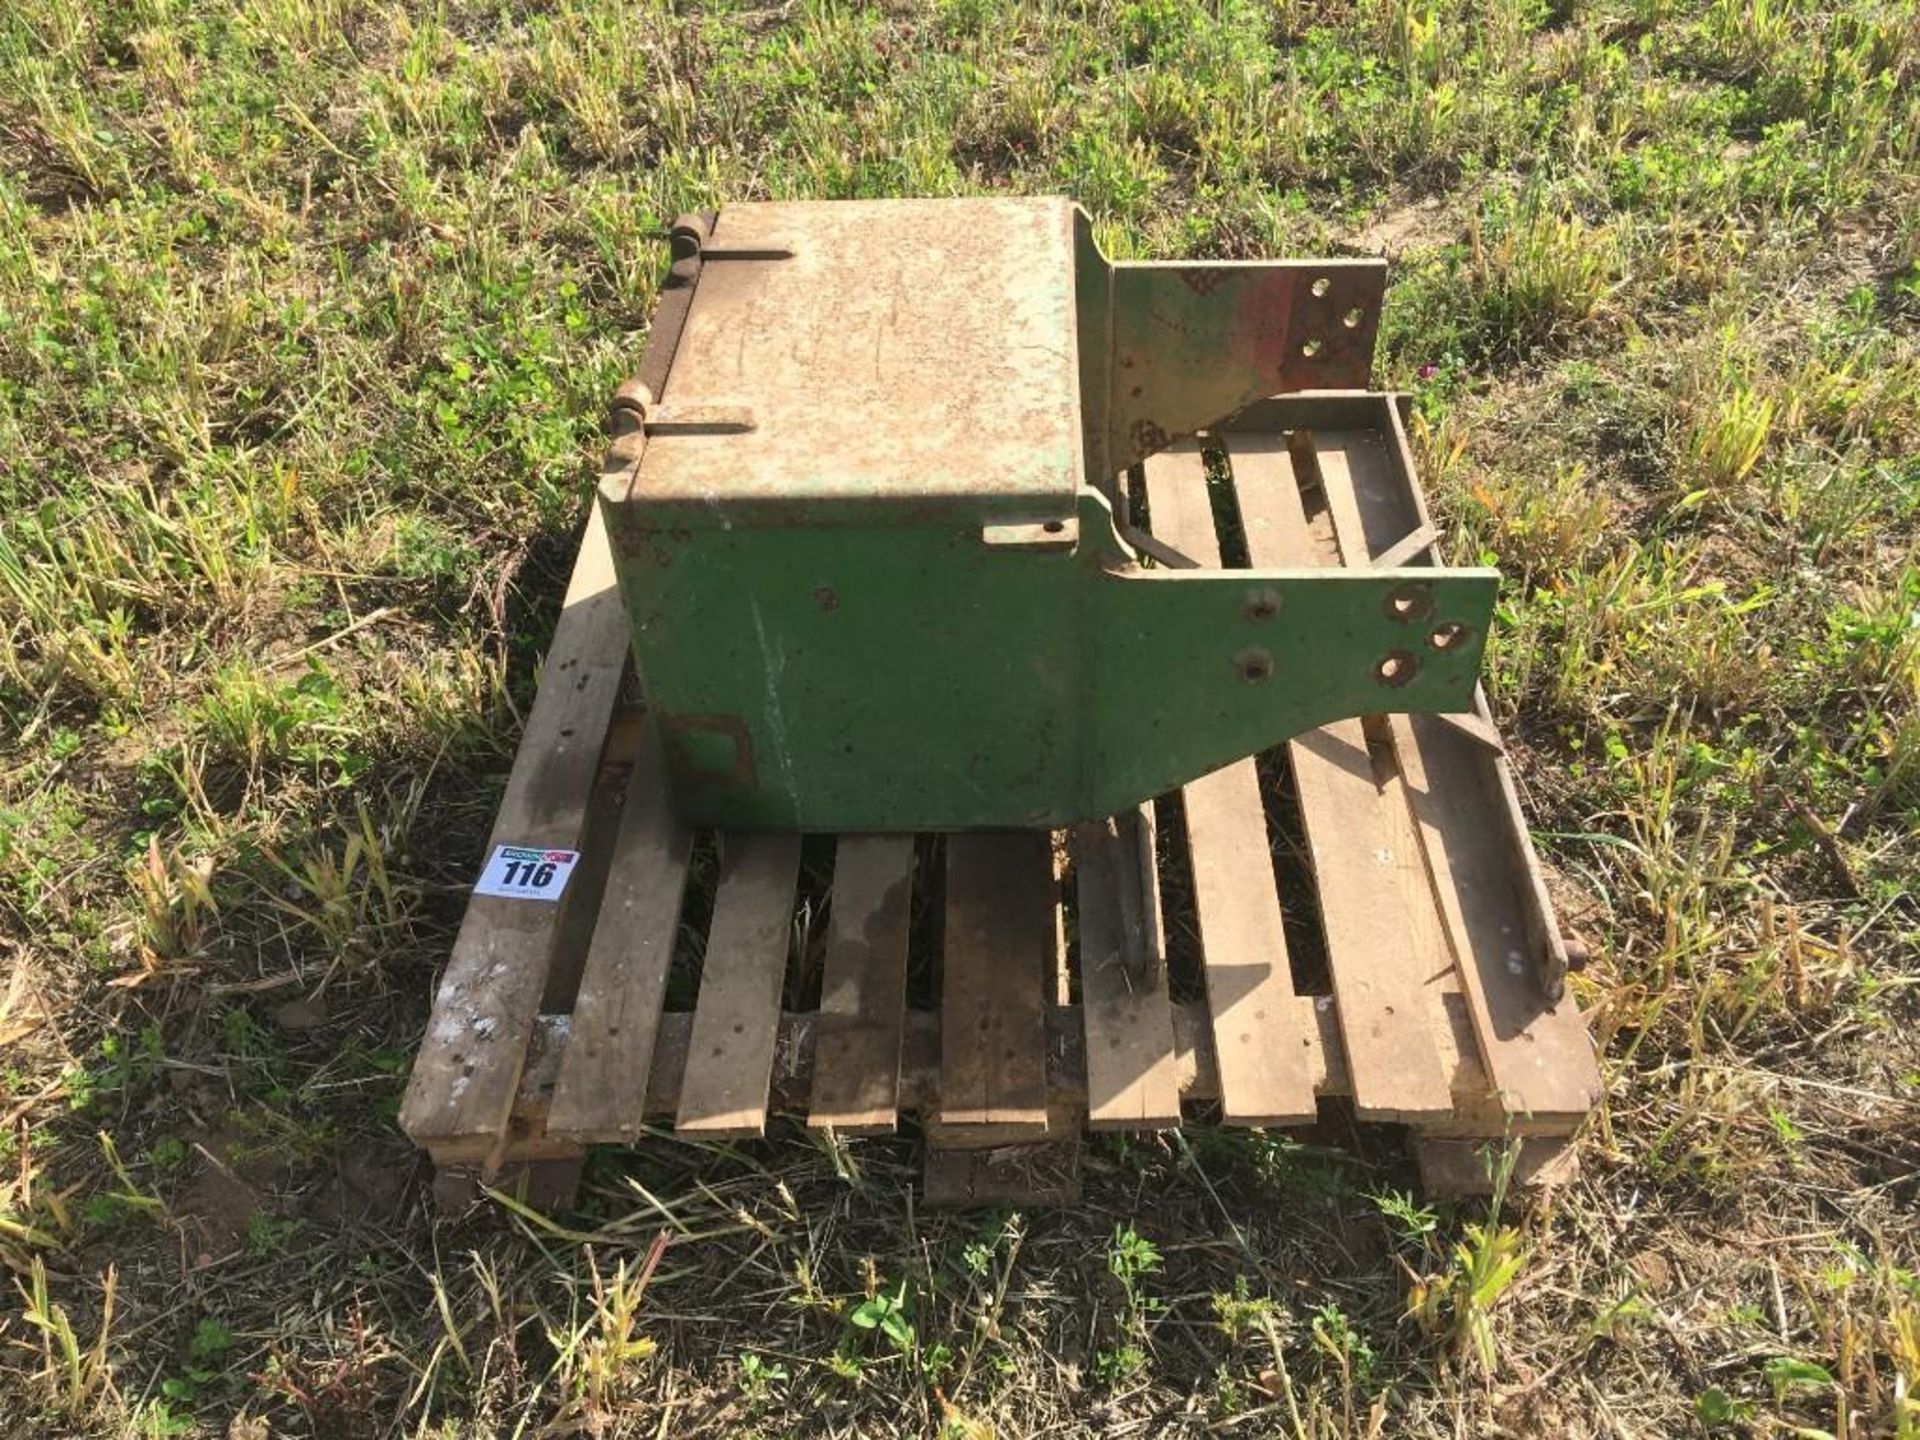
(1447, 636)
(1353, 318)
(1410, 603)
(1054, 527)
(1321, 286)
(1311, 348)
(1396, 668)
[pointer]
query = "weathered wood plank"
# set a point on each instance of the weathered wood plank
(1454, 1168)
(1194, 1073)
(601, 1091)
(548, 1183)
(1131, 1081)
(464, 1079)
(1387, 505)
(856, 1087)
(604, 806)
(999, 948)
(1537, 1053)
(1195, 1076)
(1263, 1073)
(1378, 968)
(1030, 1176)
(736, 1021)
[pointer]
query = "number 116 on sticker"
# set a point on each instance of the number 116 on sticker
(518, 872)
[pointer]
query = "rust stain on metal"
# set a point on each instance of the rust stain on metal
(747, 252)
(1148, 438)
(1254, 664)
(1194, 344)
(699, 420)
(626, 421)
(1263, 603)
(1204, 279)
(942, 310)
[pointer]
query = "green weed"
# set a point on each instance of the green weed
(76, 1377)
(308, 314)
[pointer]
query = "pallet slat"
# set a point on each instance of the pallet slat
(1131, 1080)
(1407, 504)
(863, 999)
(1000, 932)
(1538, 1056)
(736, 1023)
(464, 1079)
(1365, 904)
(1476, 1105)
(1537, 1053)
(1243, 944)
(604, 809)
(601, 1093)
(1195, 1076)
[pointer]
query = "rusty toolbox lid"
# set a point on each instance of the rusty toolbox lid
(873, 361)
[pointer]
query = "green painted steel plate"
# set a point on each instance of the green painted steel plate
(866, 530)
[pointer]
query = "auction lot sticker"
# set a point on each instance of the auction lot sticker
(517, 872)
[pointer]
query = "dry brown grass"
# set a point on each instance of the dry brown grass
(308, 309)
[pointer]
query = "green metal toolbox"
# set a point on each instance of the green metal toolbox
(868, 502)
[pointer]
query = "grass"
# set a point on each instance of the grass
(308, 313)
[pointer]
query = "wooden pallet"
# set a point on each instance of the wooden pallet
(1358, 914)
